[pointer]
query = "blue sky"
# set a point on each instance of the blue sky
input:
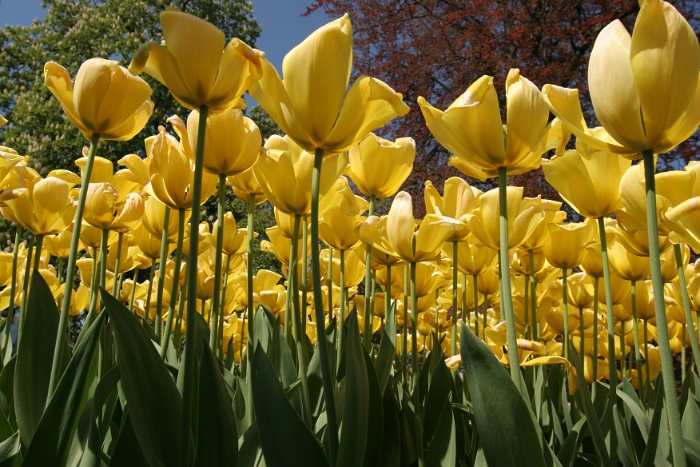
(283, 27)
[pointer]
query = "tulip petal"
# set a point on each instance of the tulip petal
(611, 81)
(401, 225)
(59, 83)
(240, 66)
(665, 59)
(526, 118)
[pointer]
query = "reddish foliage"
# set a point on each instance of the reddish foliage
(437, 48)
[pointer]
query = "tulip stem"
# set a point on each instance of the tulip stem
(368, 285)
(298, 330)
(582, 330)
(565, 313)
(533, 295)
(37, 246)
(596, 284)
(214, 331)
(220, 341)
(637, 353)
(188, 366)
(623, 349)
(13, 286)
(115, 284)
(388, 315)
(672, 411)
(404, 329)
(647, 369)
(25, 287)
(341, 312)
(161, 273)
(507, 297)
(475, 291)
(304, 274)
(176, 282)
(151, 278)
(415, 369)
(318, 309)
(250, 266)
(453, 339)
(133, 290)
(686, 305)
(70, 269)
(329, 281)
(684, 344)
(612, 373)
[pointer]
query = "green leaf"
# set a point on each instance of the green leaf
(504, 422)
(217, 425)
(442, 450)
(654, 454)
(584, 398)
(692, 452)
(9, 449)
(391, 439)
(385, 360)
(34, 358)
(285, 439)
(375, 427)
(54, 435)
(153, 399)
(567, 452)
(7, 378)
(127, 450)
(441, 385)
(691, 419)
(353, 434)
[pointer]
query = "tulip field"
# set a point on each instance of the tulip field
(492, 332)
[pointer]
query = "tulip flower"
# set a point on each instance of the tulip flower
(103, 212)
(564, 247)
(106, 101)
(43, 209)
(245, 186)
(378, 166)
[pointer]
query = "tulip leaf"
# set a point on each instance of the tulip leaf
(353, 434)
(654, 452)
(442, 450)
(285, 439)
(7, 378)
(155, 413)
(249, 450)
(375, 425)
(385, 360)
(567, 452)
(505, 424)
(441, 385)
(127, 450)
(593, 421)
(391, 439)
(34, 358)
(217, 425)
(53, 437)
(691, 419)
(9, 449)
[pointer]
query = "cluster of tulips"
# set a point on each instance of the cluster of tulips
(509, 270)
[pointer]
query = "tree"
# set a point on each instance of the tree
(437, 48)
(72, 32)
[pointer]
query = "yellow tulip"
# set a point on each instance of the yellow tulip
(234, 242)
(552, 214)
(172, 172)
(459, 200)
(321, 66)
(644, 87)
(378, 166)
(103, 211)
(106, 100)
(284, 174)
(589, 183)
(580, 290)
(337, 230)
(564, 247)
(524, 215)
(246, 185)
(473, 258)
(196, 65)
(279, 245)
(620, 290)
(59, 245)
(231, 145)
(472, 130)
(154, 218)
(43, 209)
(625, 264)
(354, 267)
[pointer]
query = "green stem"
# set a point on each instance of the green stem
(25, 286)
(533, 295)
(61, 334)
(103, 258)
(565, 312)
(37, 256)
(388, 312)
(94, 278)
(220, 341)
(178, 323)
(298, 330)
(176, 282)
(526, 309)
(368, 284)
(341, 317)
(188, 366)
(38, 241)
(596, 284)
(115, 283)
(507, 297)
(672, 411)
(304, 274)
(637, 353)
(318, 308)
(415, 369)
(161, 273)
(59, 271)
(250, 266)
(686, 305)
(623, 350)
(683, 352)
(13, 287)
(214, 331)
(612, 373)
(404, 330)
(485, 308)
(151, 278)
(453, 337)
(133, 290)
(582, 329)
(647, 370)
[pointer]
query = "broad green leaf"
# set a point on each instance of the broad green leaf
(441, 385)
(691, 419)
(567, 452)
(375, 427)
(127, 450)
(654, 454)
(249, 450)
(385, 360)
(156, 410)
(504, 422)
(624, 448)
(53, 437)
(217, 424)
(34, 358)
(285, 439)
(353, 432)
(692, 452)
(409, 450)
(391, 439)
(442, 450)
(9, 449)
(593, 421)
(7, 379)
